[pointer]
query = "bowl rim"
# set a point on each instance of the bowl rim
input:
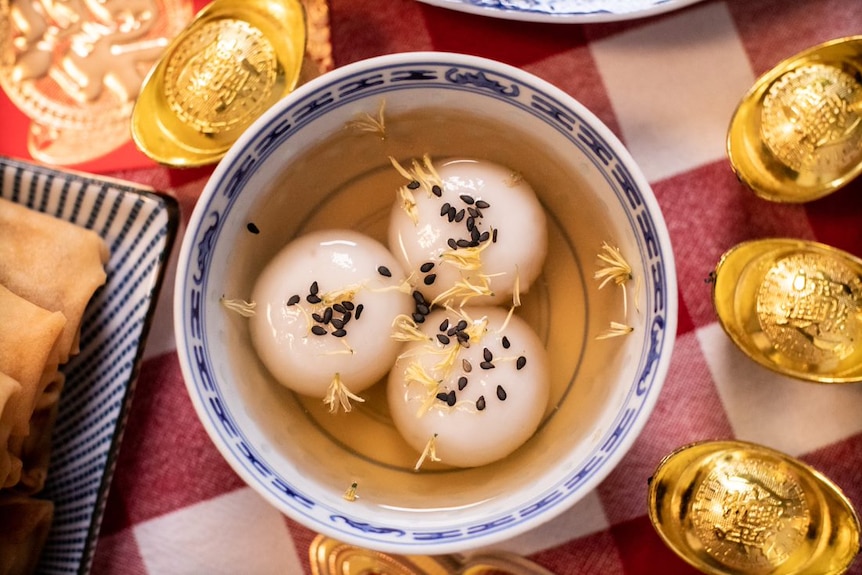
(533, 509)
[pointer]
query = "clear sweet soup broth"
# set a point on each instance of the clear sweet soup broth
(348, 182)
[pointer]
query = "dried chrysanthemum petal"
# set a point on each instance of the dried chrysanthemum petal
(242, 307)
(415, 373)
(423, 173)
(430, 452)
(338, 395)
(464, 290)
(406, 329)
(350, 494)
(365, 122)
(616, 270)
(616, 329)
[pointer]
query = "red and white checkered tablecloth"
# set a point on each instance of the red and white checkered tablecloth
(667, 86)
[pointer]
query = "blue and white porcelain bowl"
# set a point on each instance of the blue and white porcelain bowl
(297, 169)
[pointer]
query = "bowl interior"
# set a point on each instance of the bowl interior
(301, 169)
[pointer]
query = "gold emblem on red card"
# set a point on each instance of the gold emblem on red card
(75, 67)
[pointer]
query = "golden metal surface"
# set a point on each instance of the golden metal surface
(793, 306)
(737, 508)
(75, 68)
(235, 60)
(330, 557)
(797, 134)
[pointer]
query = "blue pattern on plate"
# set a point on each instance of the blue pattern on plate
(564, 11)
(531, 97)
(140, 228)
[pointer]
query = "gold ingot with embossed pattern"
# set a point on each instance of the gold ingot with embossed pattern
(797, 134)
(793, 306)
(331, 557)
(232, 63)
(738, 508)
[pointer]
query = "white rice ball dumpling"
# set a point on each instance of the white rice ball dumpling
(470, 232)
(324, 309)
(473, 389)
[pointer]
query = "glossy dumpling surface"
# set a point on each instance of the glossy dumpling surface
(324, 305)
(477, 384)
(470, 224)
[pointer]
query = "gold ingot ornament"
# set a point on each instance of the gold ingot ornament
(797, 134)
(793, 306)
(331, 557)
(738, 508)
(75, 68)
(232, 63)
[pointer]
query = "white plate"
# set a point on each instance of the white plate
(564, 11)
(139, 227)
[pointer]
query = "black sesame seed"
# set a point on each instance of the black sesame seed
(501, 393)
(459, 216)
(452, 244)
(463, 337)
(494, 236)
(429, 279)
(418, 297)
(436, 190)
(467, 199)
(313, 289)
(462, 383)
(413, 185)
(480, 403)
(475, 235)
(462, 325)
(317, 317)
(337, 323)
(450, 400)
(418, 317)
(384, 271)
(423, 309)
(339, 308)
(317, 330)
(359, 309)
(506, 342)
(482, 204)
(450, 215)
(486, 353)
(444, 209)
(474, 213)
(443, 338)
(339, 332)
(426, 267)
(470, 223)
(486, 365)
(443, 396)
(348, 305)
(451, 332)
(346, 317)
(521, 362)
(485, 235)
(293, 300)
(466, 366)
(311, 298)
(444, 325)
(252, 228)
(327, 315)
(462, 243)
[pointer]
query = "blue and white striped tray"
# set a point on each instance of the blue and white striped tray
(140, 227)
